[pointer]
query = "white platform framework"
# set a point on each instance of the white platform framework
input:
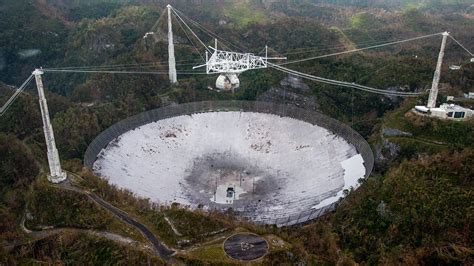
(228, 64)
(231, 64)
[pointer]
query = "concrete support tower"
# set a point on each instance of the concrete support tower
(171, 59)
(56, 175)
(434, 86)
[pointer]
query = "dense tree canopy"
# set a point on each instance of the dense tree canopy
(417, 207)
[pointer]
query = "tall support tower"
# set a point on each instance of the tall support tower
(171, 59)
(56, 174)
(434, 86)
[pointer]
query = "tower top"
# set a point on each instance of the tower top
(445, 33)
(38, 72)
(168, 6)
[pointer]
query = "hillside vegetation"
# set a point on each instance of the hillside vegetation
(416, 208)
(419, 212)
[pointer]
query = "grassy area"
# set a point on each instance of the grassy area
(195, 224)
(17, 171)
(276, 244)
(364, 20)
(79, 249)
(344, 38)
(411, 146)
(429, 134)
(418, 213)
(213, 253)
(141, 209)
(50, 206)
(243, 13)
(192, 225)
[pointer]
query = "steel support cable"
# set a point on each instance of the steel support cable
(158, 21)
(123, 68)
(351, 85)
(362, 49)
(192, 43)
(462, 46)
(187, 26)
(354, 86)
(205, 30)
(18, 90)
(329, 47)
(149, 64)
(338, 46)
(144, 66)
(15, 95)
(224, 43)
(209, 32)
(126, 68)
(326, 48)
(261, 51)
(355, 50)
(118, 72)
(139, 64)
(344, 84)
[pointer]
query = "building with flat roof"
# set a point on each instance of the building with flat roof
(446, 111)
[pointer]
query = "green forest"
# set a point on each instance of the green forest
(416, 208)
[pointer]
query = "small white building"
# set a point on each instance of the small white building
(446, 111)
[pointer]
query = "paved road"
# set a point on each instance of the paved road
(163, 251)
(38, 235)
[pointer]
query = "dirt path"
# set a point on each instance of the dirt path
(162, 250)
(38, 235)
(172, 226)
